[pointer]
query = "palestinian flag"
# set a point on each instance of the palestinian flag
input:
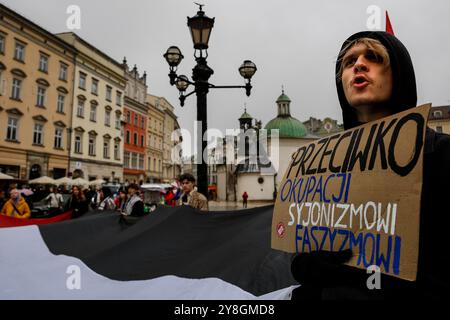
(173, 253)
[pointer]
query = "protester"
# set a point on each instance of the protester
(244, 199)
(2, 199)
(191, 196)
(77, 203)
(106, 200)
(16, 206)
(134, 206)
(54, 200)
(121, 200)
(375, 78)
(94, 197)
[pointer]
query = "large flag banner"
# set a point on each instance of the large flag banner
(359, 189)
(173, 253)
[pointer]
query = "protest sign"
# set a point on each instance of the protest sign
(357, 189)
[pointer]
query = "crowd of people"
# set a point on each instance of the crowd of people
(129, 200)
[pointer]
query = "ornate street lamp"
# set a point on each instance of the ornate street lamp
(200, 26)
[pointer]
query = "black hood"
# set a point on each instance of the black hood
(404, 94)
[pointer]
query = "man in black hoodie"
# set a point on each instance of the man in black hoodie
(375, 78)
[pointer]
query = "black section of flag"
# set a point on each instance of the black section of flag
(232, 246)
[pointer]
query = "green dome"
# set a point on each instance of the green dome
(289, 127)
(245, 115)
(283, 98)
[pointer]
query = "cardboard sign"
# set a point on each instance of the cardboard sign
(358, 189)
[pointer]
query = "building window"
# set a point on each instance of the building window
(107, 118)
(19, 52)
(60, 103)
(62, 71)
(11, 132)
(133, 160)
(40, 96)
(142, 141)
(16, 89)
(141, 161)
(106, 149)
(136, 119)
(82, 81)
(142, 122)
(128, 117)
(116, 151)
(126, 159)
(154, 164)
(58, 138)
(439, 129)
(78, 144)
(94, 88)
(117, 120)
(80, 108)
(91, 149)
(43, 63)
(38, 133)
(93, 113)
(2, 43)
(160, 167)
(119, 98)
(135, 139)
(127, 137)
(108, 93)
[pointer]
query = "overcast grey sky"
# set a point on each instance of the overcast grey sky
(293, 43)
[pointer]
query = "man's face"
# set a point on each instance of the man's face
(14, 194)
(187, 186)
(366, 80)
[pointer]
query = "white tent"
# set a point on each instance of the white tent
(80, 182)
(97, 182)
(5, 177)
(64, 180)
(43, 180)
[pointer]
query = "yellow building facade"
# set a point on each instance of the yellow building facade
(155, 141)
(36, 94)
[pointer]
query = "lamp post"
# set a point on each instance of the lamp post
(200, 26)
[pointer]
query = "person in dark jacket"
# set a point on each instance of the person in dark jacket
(375, 78)
(77, 202)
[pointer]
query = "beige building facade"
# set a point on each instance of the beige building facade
(172, 151)
(97, 137)
(36, 94)
(155, 141)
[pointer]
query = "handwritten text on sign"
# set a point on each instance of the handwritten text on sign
(359, 189)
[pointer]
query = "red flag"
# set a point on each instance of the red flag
(389, 25)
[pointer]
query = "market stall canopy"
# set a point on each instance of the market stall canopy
(5, 177)
(64, 180)
(97, 182)
(80, 182)
(43, 180)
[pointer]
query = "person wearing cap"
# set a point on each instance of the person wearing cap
(375, 78)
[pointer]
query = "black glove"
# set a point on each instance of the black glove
(318, 270)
